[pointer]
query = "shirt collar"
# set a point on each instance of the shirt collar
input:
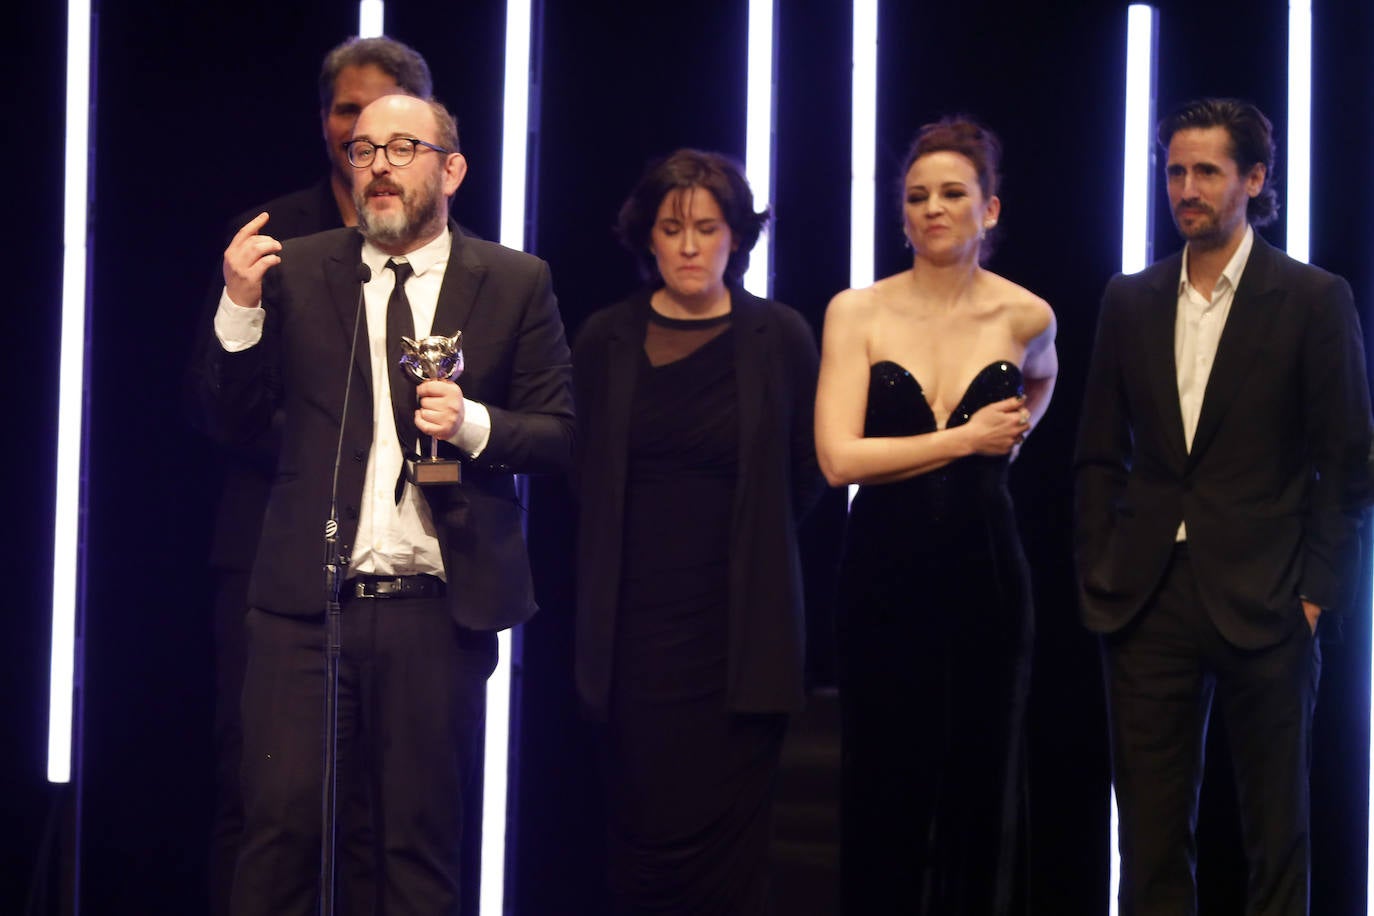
(1234, 267)
(429, 255)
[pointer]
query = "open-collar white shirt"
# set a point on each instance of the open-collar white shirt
(1198, 325)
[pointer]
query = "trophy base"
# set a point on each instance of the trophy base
(431, 472)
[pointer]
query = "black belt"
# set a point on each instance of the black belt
(395, 587)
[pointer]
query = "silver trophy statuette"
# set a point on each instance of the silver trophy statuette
(433, 358)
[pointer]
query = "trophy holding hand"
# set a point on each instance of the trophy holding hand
(433, 358)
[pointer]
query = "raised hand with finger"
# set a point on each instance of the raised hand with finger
(247, 258)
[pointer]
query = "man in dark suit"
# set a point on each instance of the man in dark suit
(1221, 464)
(433, 573)
(352, 76)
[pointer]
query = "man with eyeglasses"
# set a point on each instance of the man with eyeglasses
(433, 572)
(352, 75)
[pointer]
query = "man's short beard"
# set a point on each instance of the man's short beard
(420, 210)
(1204, 230)
(1209, 236)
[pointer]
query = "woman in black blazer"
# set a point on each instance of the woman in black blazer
(696, 464)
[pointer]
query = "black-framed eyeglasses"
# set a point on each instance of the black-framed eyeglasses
(400, 151)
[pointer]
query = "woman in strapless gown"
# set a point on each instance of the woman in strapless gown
(930, 380)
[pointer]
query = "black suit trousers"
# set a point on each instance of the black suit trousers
(230, 604)
(1162, 672)
(355, 848)
(412, 698)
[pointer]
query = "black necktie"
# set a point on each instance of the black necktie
(400, 323)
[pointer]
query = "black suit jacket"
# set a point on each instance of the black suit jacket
(516, 363)
(248, 467)
(779, 480)
(1271, 491)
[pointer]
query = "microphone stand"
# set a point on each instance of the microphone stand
(334, 565)
(333, 641)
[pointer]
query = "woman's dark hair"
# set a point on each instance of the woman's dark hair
(1252, 143)
(965, 136)
(691, 168)
(976, 143)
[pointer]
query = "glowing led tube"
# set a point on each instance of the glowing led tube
(371, 15)
(514, 169)
(66, 591)
(758, 137)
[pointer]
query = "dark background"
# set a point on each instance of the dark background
(202, 111)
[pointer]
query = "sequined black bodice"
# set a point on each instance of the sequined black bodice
(897, 405)
(961, 494)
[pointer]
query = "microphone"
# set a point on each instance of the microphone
(363, 274)
(333, 647)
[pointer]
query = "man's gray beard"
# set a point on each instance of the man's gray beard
(407, 226)
(385, 228)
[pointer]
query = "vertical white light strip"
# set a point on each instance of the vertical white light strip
(758, 137)
(494, 782)
(515, 128)
(863, 121)
(863, 149)
(70, 387)
(371, 16)
(1299, 178)
(1137, 231)
(514, 169)
(515, 124)
(1138, 171)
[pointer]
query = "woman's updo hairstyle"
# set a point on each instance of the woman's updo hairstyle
(965, 136)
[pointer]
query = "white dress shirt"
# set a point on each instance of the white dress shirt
(392, 538)
(1198, 325)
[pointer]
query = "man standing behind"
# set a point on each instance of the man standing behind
(1221, 464)
(432, 575)
(352, 76)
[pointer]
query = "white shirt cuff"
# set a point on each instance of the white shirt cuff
(473, 435)
(236, 327)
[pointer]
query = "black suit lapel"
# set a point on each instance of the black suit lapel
(1246, 326)
(458, 293)
(341, 281)
(463, 276)
(1158, 315)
